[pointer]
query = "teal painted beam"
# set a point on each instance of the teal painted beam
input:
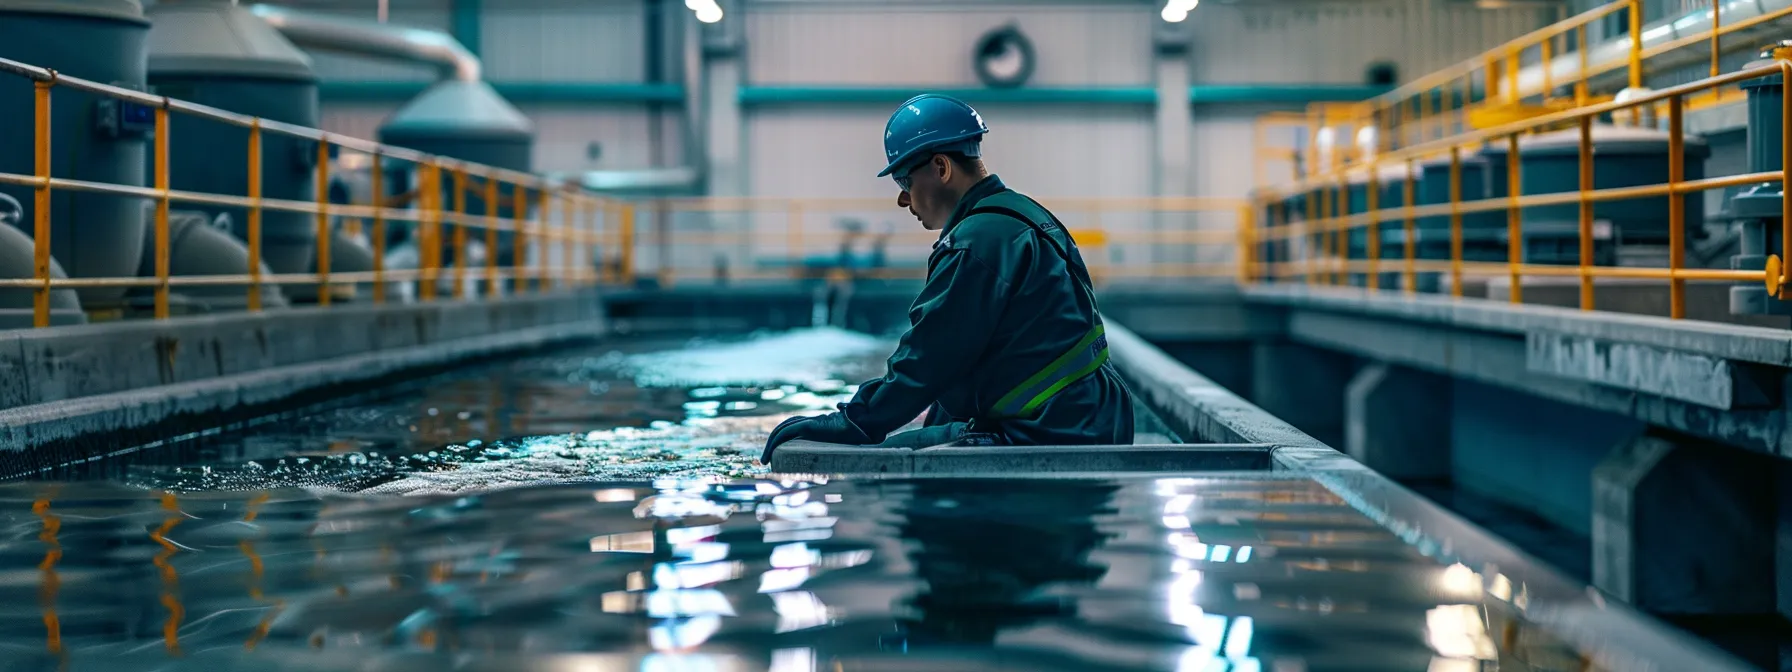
(795, 95)
(617, 92)
(464, 24)
(515, 92)
(1281, 93)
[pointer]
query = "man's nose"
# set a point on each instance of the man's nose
(902, 200)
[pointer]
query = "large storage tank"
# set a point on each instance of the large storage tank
(1757, 209)
(466, 120)
(1390, 194)
(213, 53)
(94, 138)
(1434, 189)
(1622, 157)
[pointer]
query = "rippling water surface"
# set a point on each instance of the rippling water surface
(597, 510)
(1188, 575)
(613, 410)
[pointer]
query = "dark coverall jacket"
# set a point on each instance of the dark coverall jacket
(1005, 320)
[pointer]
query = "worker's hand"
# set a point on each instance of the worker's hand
(829, 428)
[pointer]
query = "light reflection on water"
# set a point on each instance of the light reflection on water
(615, 410)
(757, 574)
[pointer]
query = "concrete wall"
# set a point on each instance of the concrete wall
(1531, 453)
(68, 391)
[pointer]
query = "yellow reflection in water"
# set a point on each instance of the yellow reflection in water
(51, 581)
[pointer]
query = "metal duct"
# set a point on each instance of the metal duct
(336, 33)
(1565, 68)
(357, 36)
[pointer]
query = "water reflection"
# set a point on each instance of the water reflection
(613, 411)
(786, 574)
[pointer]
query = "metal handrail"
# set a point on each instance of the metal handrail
(581, 228)
(1328, 230)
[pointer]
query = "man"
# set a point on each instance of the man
(1005, 345)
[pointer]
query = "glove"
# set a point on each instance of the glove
(829, 428)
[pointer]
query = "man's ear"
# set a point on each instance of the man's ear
(944, 168)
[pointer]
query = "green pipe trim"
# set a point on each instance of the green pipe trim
(624, 92)
(515, 92)
(464, 24)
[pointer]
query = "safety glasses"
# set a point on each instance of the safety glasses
(904, 176)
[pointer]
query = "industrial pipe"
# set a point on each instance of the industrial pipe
(1565, 69)
(358, 36)
(343, 34)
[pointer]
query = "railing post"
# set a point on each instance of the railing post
(1456, 221)
(379, 231)
(1676, 212)
(255, 215)
(1314, 235)
(1514, 222)
(589, 244)
(1341, 232)
(429, 243)
(544, 234)
(569, 238)
(1586, 213)
(460, 233)
(1372, 238)
(1580, 83)
(1411, 281)
(628, 243)
(40, 250)
(161, 224)
(323, 222)
(1636, 43)
(519, 259)
(1246, 242)
(491, 235)
(1716, 40)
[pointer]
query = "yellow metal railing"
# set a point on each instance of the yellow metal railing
(1328, 219)
(1485, 90)
(587, 224)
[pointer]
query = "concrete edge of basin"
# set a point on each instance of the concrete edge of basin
(56, 431)
(1202, 411)
(1760, 345)
(62, 363)
(1614, 634)
(810, 457)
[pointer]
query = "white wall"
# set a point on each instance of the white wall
(833, 150)
(1283, 41)
(1086, 150)
(906, 43)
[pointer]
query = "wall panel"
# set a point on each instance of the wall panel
(564, 40)
(1336, 41)
(928, 44)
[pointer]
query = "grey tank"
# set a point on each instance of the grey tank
(467, 120)
(92, 138)
(213, 53)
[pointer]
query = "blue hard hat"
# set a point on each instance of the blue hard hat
(931, 123)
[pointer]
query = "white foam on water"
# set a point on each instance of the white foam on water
(719, 448)
(799, 355)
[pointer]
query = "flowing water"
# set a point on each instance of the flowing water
(1191, 575)
(598, 510)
